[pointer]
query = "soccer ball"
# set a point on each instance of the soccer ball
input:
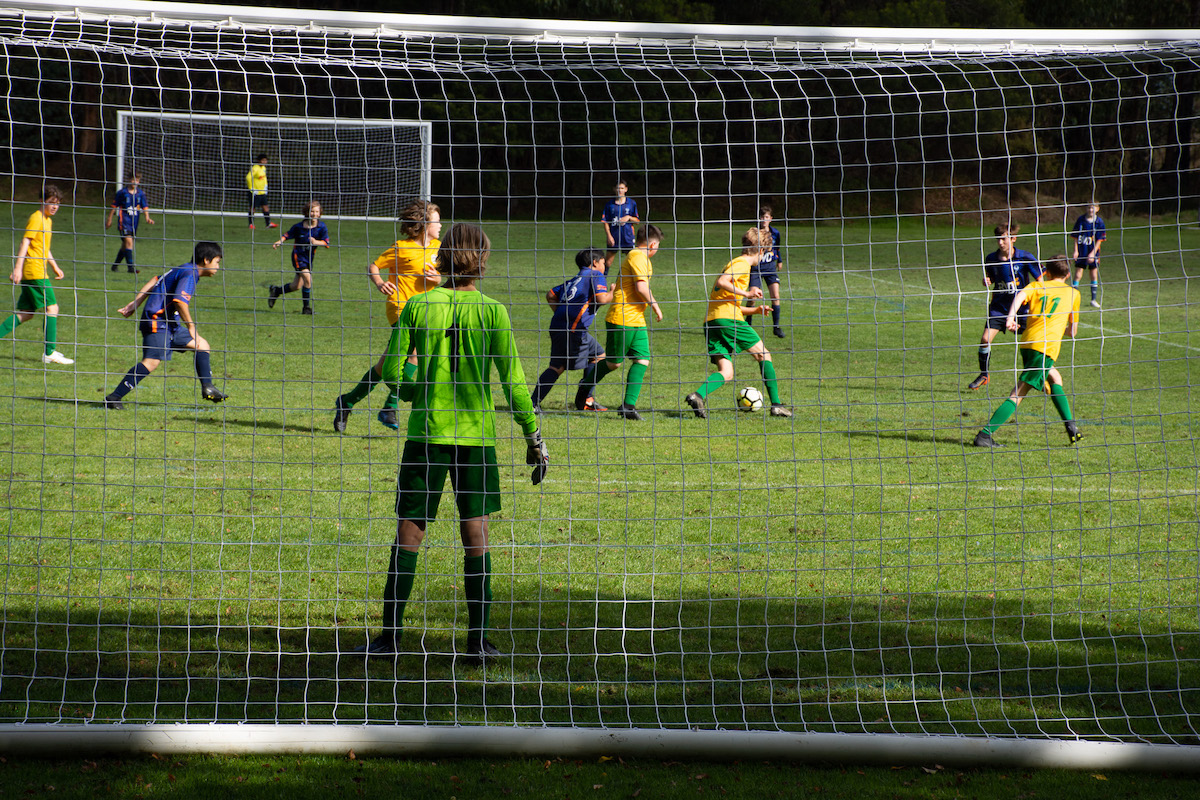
(749, 399)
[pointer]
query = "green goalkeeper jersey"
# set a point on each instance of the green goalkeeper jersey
(458, 336)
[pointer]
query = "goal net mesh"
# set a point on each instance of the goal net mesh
(858, 567)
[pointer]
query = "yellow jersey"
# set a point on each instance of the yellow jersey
(405, 262)
(727, 305)
(626, 308)
(38, 231)
(1052, 305)
(256, 179)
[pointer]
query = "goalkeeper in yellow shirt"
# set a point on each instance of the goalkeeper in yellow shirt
(256, 191)
(1053, 313)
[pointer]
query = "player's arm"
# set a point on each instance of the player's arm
(108, 220)
(502, 347)
(725, 283)
(145, 212)
(641, 290)
(551, 298)
(1011, 321)
(58, 273)
(384, 286)
(1072, 325)
(603, 297)
(185, 314)
(19, 264)
(283, 238)
(604, 223)
(250, 179)
(132, 306)
(1095, 254)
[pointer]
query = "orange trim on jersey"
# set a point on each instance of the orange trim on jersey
(583, 310)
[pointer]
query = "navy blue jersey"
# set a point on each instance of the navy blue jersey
(773, 257)
(622, 234)
(1088, 234)
(303, 249)
(175, 286)
(1009, 277)
(576, 301)
(129, 206)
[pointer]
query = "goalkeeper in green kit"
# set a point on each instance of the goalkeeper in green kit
(457, 335)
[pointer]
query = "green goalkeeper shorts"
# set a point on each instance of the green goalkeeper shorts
(423, 469)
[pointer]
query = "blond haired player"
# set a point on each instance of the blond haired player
(1053, 313)
(727, 331)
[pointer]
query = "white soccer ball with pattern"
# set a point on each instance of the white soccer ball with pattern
(749, 399)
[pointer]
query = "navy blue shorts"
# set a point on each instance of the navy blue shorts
(1082, 263)
(759, 276)
(127, 228)
(574, 349)
(160, 339)
(997, 320)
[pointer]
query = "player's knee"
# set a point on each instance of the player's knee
(645, 362)
(200, 344)
(150, 364)
(51, 311)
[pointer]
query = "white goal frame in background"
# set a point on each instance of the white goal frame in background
(371, 168)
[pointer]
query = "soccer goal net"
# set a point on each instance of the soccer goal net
(841, 560)
(198, 162)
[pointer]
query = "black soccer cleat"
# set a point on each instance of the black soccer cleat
(113, 404)
(387, 418)
(697, 403)
(480, 651)
(306, 310)
(114, 267)
(341, 413)
(1073, 434)
(983, 439)
(383, 645)
(979, 382)
(589, 404)
(780, 410)
(212, 394)
(779, 332)
(273, 293)
(626, 411)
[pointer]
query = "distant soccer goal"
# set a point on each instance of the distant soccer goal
(356, 168)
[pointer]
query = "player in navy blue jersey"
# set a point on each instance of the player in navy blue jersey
(307, 235)
(1089, 236)
(571, 345)
(1006, 272)
(619, 217)
(167, 325)
(767, 270)
(128, 206)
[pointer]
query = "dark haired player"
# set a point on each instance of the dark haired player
(1089, 235)
(619, 216)
(306, 236)
(572, 346)
(167, 325)
(256, 191)
(1005, 272)
(458, 336)
(129, 204)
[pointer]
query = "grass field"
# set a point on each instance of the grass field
(853, 569)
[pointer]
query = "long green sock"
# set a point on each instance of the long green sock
(768, 372)
(478, 584)
(633, 382)
(1000, 416)
(51, 334)
(714, 382)
(362, 388)
(402, 568)
(1059, 397)
(9, 325)
(407, 389)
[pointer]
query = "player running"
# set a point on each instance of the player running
(411, 265)
(1005, 272)
(572, 346)
(1053, 312)
(728, 332)
(29, 270)
(167, 325)
(306, 236)
(129, 205)
(1088, 234)
(458, 336)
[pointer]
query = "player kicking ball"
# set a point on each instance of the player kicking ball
(572, 346)
(728, 332)
(1005, 272)
(167, 325)
(306, 236)
(1053, 312)
(458, 335)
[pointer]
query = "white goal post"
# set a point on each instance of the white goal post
(356, 168)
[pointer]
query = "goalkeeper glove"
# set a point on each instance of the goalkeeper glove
(537, 455)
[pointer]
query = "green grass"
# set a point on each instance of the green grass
(853, 569)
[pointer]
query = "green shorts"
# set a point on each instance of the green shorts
(1035, 368)
(626, 342)
(423, 468)
(36, 294)
(727, 337)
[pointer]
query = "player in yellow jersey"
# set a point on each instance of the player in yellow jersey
(256, 191)
(728, 332)
(411, 265)
(29, 270)
(1053, 313)
(626, 322)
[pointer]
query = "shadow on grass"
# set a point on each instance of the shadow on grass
(949, 664)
